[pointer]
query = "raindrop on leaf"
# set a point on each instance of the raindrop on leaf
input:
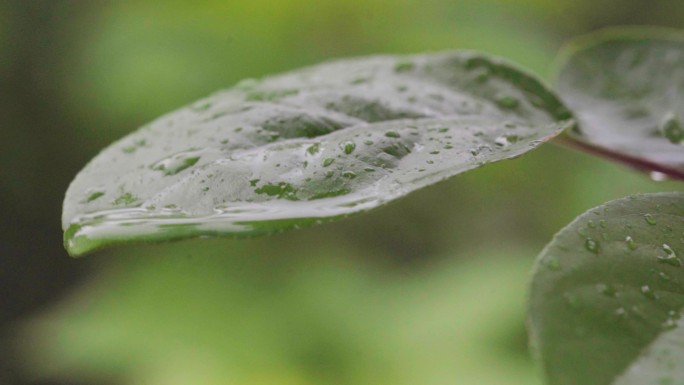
(591, 245)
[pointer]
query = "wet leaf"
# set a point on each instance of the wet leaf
(627, 88)
(314, 144)
(606, 301)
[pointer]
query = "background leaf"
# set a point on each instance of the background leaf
(607, 294)
(627, 89)
(322, 142)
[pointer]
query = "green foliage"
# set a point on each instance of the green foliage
(607, 293)
(238, 312)
(625, 87)
(348, 136)
(323, 142)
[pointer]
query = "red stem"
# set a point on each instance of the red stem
(634, 162)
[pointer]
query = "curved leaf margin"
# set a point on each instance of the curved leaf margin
(315, 144)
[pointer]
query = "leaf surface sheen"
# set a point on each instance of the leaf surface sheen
(607, 295)
(626, 87)
(314, 144)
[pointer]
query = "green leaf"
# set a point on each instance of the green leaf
(319, 143)
(627, 88)
(607, 295)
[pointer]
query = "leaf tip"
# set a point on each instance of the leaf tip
(76, 244)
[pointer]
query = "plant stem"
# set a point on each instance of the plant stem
(631, 161)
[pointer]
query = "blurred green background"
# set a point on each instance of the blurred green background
(429, 290)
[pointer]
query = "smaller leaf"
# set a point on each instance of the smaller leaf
(607, 295)
(627, 88)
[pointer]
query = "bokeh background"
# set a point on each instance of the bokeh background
(428, 290)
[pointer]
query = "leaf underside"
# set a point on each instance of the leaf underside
(626, 87)
(318, 143)
(607, 295)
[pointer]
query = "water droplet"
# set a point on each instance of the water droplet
(136, 144)
(508, 102)
(94, 195)
(505, 140)
(648, 292)
(349, 174)
(591, 245)
(668, 250)
(125, 199)
(392, 134)
(591, 224)
(434, 152)
(403, 66)
(314, 148)
(501, 141)
(178, 162)
(328, 161)
(658, 176)
(281, 190)
(670, 257)
(672, 129)
(650, 219)
(631, 244)
(349, 147)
